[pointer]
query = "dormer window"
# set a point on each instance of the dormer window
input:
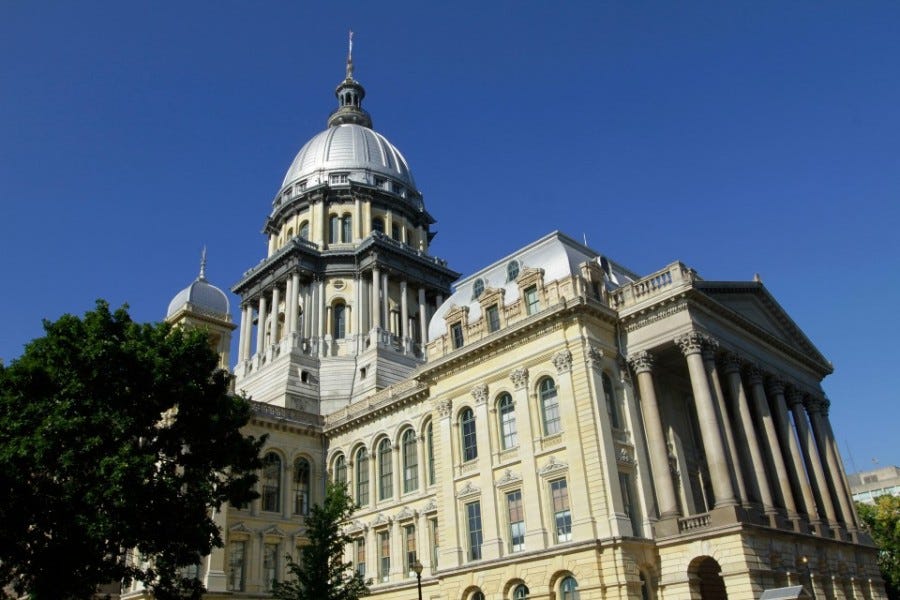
(478, 288)
(532, 303)
(339, 177)
(380, 182)
(492, 316)
(512, 270)
(456, 335)
(301, 186)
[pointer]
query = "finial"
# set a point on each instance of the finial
(203, 264)
(350, 56)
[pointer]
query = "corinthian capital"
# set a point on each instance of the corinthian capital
(562, 360)
(731, 362)
(691, 343)
(710, 348)
(754, 375)
(595, 358)
(795, 397)
(813, 404)
(480, 393)
(641, 361)
(443, 407)
(519, 377)
(775, 386)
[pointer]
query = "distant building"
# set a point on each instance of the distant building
(552, 426)
(868, 485)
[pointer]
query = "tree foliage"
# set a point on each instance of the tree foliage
(116, 440)
(882, 520)
(322, 573)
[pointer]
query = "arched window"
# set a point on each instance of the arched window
(512, 270)
(568, 589)
(478, 288)
(549, 406)
(271, 482)
(362, 477)
(385, 470)
(301, 486)
(333, 226)
(520, 592)
(290, 233)
(506, 413)
(340, 469)
(346, 229)
(477, 595)
(467, 429)
(378, 224)
(339, 318)
(303, 232)
(429, 450)
(410, 461)
(610, 397)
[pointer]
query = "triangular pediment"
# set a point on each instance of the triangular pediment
(750, 301)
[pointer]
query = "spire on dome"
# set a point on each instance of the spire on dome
(202, 276)
(350, 94)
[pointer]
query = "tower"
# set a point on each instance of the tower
(340, 305)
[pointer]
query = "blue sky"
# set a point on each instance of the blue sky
(738, 137)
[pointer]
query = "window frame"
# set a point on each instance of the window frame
(548, 397)
(492, 318)
(506, 421)
(474, 530)
(409, 453)
(562, 509)
(385, 464)
(468, 432)
(515, 508)
(532, 300)
(457, 336)
(361, 467)
(302, 488)
(270, 498)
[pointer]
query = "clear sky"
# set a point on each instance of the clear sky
(738, 137)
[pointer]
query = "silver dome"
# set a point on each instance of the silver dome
(353, 149)
(202, 296)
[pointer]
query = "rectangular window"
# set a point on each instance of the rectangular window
(339, 177)
(409, 536)
(473, 519)
(361, 556)
(562, 516)
(236, 566)
(435, 542)
(270, 565)
(384, 555)
(493, 318)
(456, 334)
(516, 521)
(301, 186)
(532, 305)
(395, 232)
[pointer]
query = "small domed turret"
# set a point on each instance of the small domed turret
(201, 296)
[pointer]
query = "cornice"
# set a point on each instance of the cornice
(368, 409)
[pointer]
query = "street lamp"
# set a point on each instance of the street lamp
(417, 568)
(812, 588)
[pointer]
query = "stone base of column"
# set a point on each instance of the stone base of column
(216, 581)
(727, 515)
(666, 526)
(819, 528)
(798, 524)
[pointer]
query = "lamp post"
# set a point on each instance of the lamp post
(804, 560)
(417, 567)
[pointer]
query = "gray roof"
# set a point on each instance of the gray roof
(203, 297)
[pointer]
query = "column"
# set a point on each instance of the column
(295, 294)
(261, 326)
(691, 345)
(358, 312)
(642, 363)
(320, 309)
(404, 315)
(288, 306)
(385, 305)
(826, 404)
(826, 448)
(357, 221)
(813, 461)
(423, 319)
(276, 300)
(535, 534)
(776, 459)
(747, 433)
(376, 297)
(787, 440)
(709, 362)
(246, 323)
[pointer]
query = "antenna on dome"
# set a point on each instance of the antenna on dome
(203, 263)
(350, 56)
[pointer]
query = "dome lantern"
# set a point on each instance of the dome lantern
(350, 94)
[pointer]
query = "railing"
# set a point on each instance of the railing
(656, 283)
(693, 522)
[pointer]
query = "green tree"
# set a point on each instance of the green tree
(882, 520)
(322, 573)
(117, 440)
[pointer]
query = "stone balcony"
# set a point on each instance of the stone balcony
(656, 284)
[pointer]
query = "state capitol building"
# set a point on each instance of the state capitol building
(553, 426)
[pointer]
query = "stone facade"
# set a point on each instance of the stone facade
(555, 426)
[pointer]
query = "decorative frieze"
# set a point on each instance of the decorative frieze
(562, 360)
(658, 315)
(519, 377)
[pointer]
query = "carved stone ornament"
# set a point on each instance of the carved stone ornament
(595, 358)
(354, 527)
(239, 527)
(794, 397)
(710, 348)
(552, 466)
(562, 360)
(519, 377)
(731, 363)
(480, 393)
(508, 478)
(380, 520)
(825, 406)
(623, 456)
(624, 373)
(775, 386)
(273, 531)
(406, 513)
(430, 507)
(691, 343)
(813, 404)
(641, 361)
(468, 490)
(754, 375)
(443, 407)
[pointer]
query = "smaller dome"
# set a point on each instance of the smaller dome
(202, 296)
